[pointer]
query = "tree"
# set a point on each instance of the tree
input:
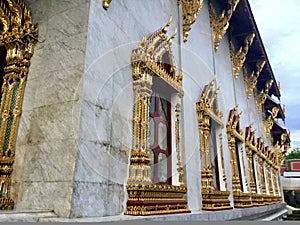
(294, 154)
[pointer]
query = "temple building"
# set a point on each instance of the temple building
(130, 109)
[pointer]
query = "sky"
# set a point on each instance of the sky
(279, 27)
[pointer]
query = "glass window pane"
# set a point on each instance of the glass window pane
(152, 103)
(162, 168)
(163, 108)
(162, 136)
(151, 131)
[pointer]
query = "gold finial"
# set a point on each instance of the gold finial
(173, 36)
(165, 29)
(251, 124)
(236, 107)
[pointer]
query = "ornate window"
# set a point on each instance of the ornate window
(151, 188)
(214, 186)
(235, 143)
(240, 164)
(253, 166)
(160, 133)
(17, 38)
(265, 159)
(260, 148)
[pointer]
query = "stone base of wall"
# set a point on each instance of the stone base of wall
(254, 213)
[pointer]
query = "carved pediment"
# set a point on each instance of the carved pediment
(208, 102)
(233, 125)
(154, 56)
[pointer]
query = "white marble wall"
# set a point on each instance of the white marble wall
(47, 136)
(197, 66)
(105, 124)
(200, 62)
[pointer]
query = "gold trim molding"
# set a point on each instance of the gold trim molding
(238, 58)
(220, 23)
(251, 81)
(190, 11)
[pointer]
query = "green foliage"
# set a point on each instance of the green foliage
(294, 154)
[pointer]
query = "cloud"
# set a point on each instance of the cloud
(277, 23)
(295, 137)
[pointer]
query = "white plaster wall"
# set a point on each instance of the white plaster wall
(226, 98)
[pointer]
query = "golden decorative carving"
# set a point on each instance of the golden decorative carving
(234, 132)
(279, 153)
(269, 122)
(261, 97)
(207, 110)
(146, 198)
(251, 81)
(143, 200)
(190, 11)
(106, 4)
(148, 58)
(19, 36)
(220, 23)
(238, 58)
